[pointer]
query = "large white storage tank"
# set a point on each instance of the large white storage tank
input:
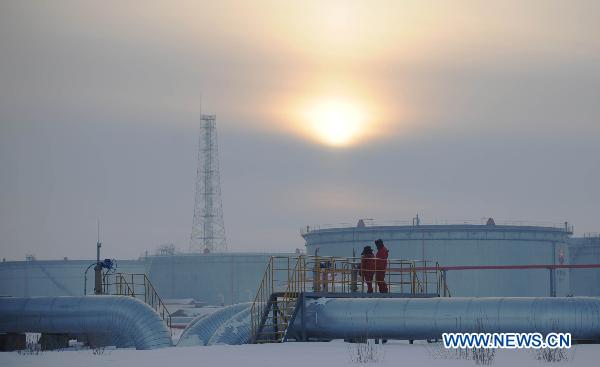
(219, 278)
(585, 250)
(462, 245)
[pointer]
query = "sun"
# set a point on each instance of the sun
(336, 122)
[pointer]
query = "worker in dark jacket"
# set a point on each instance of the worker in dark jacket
(381, 266)
(367, 267)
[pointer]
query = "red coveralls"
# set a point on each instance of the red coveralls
(367, 269)
(382, 256)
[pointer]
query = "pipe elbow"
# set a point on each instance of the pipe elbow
(125, 320)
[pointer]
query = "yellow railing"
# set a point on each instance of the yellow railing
(137, 286)
(261, 304)
(343, 275)
(445, 292)
(286, 277)
(287, 303)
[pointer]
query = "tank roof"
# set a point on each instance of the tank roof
(467, 227)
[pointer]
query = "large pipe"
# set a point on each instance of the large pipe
(428, 318)
(201, 330)
(125, 320)
(235, 331)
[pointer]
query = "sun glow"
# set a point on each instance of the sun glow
(336, 122)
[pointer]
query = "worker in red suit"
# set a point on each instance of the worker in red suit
(367, 267)
(381, 266)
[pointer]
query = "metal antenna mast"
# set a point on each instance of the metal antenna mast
(208, 230)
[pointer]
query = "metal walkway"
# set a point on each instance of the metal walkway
(288, 282)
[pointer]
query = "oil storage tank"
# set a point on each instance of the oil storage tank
(585, 250)
(465, 244)
(216, 278)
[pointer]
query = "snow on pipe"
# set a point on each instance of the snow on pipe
(202, 329)
(428, 318)
(126, 321)
(235, 331)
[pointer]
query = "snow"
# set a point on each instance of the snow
(188, 311)
(319, 301)
(176, 334)
(336, 353)
(206, 310)
(233, 326)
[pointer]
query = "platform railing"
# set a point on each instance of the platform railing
(286, 277)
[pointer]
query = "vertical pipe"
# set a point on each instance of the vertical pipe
(98, 267)
(98, 279)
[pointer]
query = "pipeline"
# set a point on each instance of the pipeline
(428, 318)
(235, 331)
(124, 321)
(201, 329)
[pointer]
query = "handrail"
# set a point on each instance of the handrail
(137, 286)
(296, 285)
(259, 305)
(286, 277)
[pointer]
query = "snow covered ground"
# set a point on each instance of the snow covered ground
(336, 353)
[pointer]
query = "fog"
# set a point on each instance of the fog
(483, 112)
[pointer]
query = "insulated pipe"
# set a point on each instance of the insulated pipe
(193, 322)
(126, 321)
(428, 318)
(235, 331)
(200, 331)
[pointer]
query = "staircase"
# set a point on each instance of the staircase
(271, 317)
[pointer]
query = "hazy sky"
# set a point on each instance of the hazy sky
(328, 111)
